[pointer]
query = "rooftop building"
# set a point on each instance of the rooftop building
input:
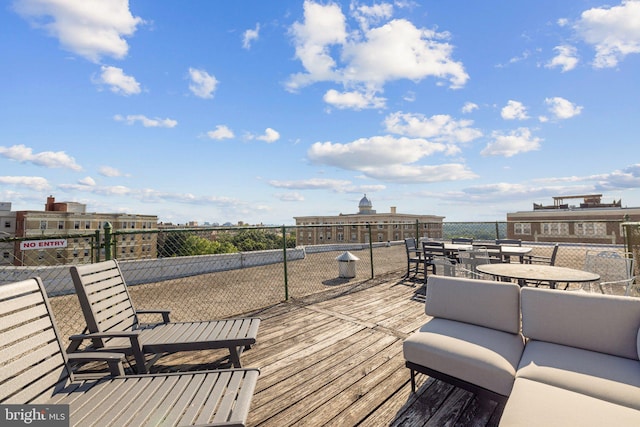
(590, 221)
(76, 230)
(385, 226)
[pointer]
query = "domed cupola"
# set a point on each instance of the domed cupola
(365, 206)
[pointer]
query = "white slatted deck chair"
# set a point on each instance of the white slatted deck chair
(34, 370)
(113, 324)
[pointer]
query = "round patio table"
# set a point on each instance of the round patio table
(538, 273)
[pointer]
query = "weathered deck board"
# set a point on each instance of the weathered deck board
(338, 361)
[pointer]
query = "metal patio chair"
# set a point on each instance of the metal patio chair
(414, 257)
(615, 270)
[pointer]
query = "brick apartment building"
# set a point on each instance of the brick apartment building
(348, 228)
(76, 230)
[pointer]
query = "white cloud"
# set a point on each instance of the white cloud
(249, 36)
(421, 173)
(515, 142)
(561, 108)
(377, 151)
(202, 83)
(399, 50)
(118, 81)
(88, 181)
(221, 132)
(613, 32)
(146, 121)
(514, 110)
(469, 107)
(289, 197)
(323, 27)
(370, 57)
(110, 172)
(353, 100)
(369, 15)
(335, 185)
(270, 135)
(566, 58)
(49, 159)
(311, 184)
(32, 182)
(89, 28)
(440, 127)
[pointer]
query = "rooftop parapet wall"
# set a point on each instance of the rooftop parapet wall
(57, 280)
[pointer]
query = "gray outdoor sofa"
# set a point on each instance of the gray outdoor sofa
(552, 357)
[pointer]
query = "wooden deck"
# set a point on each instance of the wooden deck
(336, 359)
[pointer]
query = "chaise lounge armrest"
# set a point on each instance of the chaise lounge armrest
(133, 336)
(113, 360)
(164, 313)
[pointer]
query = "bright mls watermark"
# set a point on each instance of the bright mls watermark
(34, 415)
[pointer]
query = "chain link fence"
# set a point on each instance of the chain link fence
(208, 273)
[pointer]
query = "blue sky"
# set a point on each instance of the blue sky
(260, 111)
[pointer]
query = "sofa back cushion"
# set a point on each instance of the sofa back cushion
(605, 323)
(494, 305)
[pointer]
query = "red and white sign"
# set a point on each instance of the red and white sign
(43, 244)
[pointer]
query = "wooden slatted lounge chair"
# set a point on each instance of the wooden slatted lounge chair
(34, 369)
(113, 324)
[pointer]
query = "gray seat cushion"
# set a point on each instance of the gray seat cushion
(602, 376)
(534, 404)
(482, 356)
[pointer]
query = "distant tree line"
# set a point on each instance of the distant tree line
(179, 243)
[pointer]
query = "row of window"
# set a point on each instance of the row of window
(87, 225)
(562, 228)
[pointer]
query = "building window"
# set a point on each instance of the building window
(87, 225)
(354, 237)
(6, 255)
(340, 237)
(380, 237)
(76, 225)
(7, 224)
(60, 225)
(591, 229)
(43, 225)
(522, 228)
(555, 228)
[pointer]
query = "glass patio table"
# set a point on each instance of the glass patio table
(538, 273)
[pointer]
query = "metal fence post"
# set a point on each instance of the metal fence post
(286, 275)
(417, 230)
(107, 241)
(370, 248)
(96, 247)
(497, 230)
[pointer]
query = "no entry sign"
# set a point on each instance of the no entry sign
(43, 244)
